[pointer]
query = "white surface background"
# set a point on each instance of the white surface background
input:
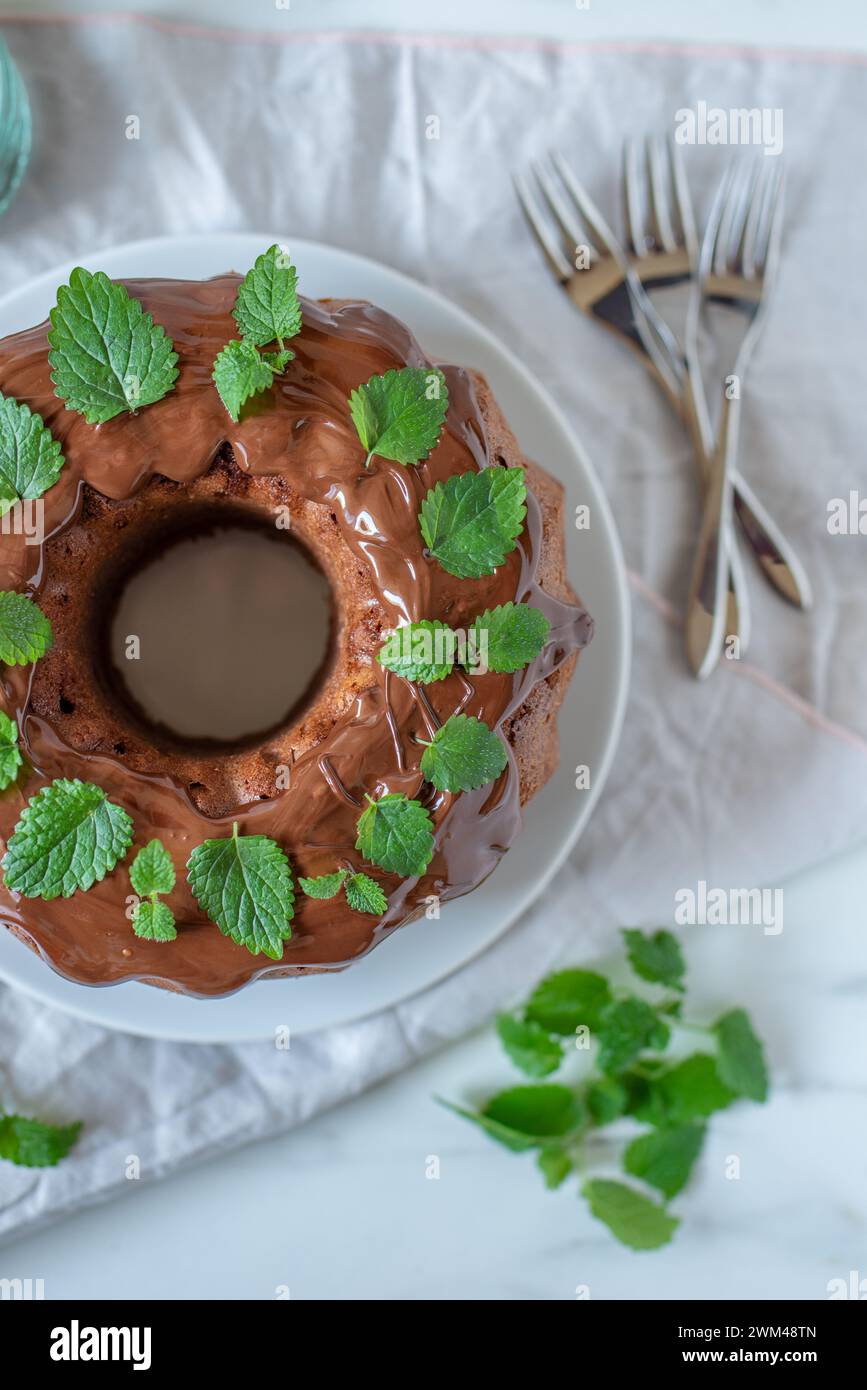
(364, 1222)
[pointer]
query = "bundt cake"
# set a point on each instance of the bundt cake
(373, 734)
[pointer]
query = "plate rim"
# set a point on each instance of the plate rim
(56, 274)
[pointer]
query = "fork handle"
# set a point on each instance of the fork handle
(708, 590)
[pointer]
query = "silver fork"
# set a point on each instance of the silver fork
(663, 243)
(610, 291)
(737, 267)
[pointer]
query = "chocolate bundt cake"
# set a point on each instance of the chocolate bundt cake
(133, 482)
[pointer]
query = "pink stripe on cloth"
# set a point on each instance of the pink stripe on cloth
(760, 678)
(501, 42)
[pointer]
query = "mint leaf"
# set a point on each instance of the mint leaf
(530, 1048)
(152, 870)
(631, 1217)
(10, 754)
(657, 957)
(69, 837)
(107, 354)
(546, 1112)
(423, 651)
(664, 1158)
(30, 458)
(364, 894)
(244, 885)
(31, 1144)
(267, 308)
(25, 632)
(396, 834)
(607, 1099)
(564, 1001)
(511, 636)
(509, 1138)
(463, 754)
(555, 1165)
(472, 521)
(690, 1091)
(239, 373)
(741, 1060)
(626, 1027)
(400, 414)
(8, 497)
(325, 886)
(154, 921)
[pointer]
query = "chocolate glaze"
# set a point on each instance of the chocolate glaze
(301, 429)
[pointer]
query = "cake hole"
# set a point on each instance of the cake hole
(66, 706)
(217, 635)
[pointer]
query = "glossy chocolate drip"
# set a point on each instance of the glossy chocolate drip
(301, 430)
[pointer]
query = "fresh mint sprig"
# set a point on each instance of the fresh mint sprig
(400, 414)
(69, 836)
(634, 1080)
(244, 885)
(25, 632)
(32, 1144)
(464, 754)
(30, 456)
(472, 521)
(152, 873)
(501, 639)
(267, 310)
(10, 753)
(363, 893)
(107, 354)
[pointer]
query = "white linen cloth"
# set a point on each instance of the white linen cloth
(738, 782)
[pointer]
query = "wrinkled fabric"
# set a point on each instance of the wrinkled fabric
(741, 781)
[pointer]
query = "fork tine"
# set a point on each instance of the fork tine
(707, 254)
(635, 233)
(552, 252)
(682, 198)
(565, 216)
(769, 225)
(732, 220)
(660, 200)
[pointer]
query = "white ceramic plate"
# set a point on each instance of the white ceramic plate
(590, 719)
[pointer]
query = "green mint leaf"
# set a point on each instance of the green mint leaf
(10, 753)
(509, 1138)
(30, 458)
(31, 1144)
(239, 373)
(69, 837)
(423, 651)
(267, 309)
(607, 1099)
(244, 885)
(152, 870)
(656, 957)
(564, 1001)
(107, 354)
(396, 834)
(555, 1165)
(325, 886)
(692, 1090)
(472, 521)
(8, 497)
(25, 632)
(626, 1027)
(631, 1217)
(741, 1060)
(278, 361)
(400, 415)
(364, 894)
(463, 754)
(530, 1048)
(154, 921)
(511, 636)
(664, 1158)
(543, 1112)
